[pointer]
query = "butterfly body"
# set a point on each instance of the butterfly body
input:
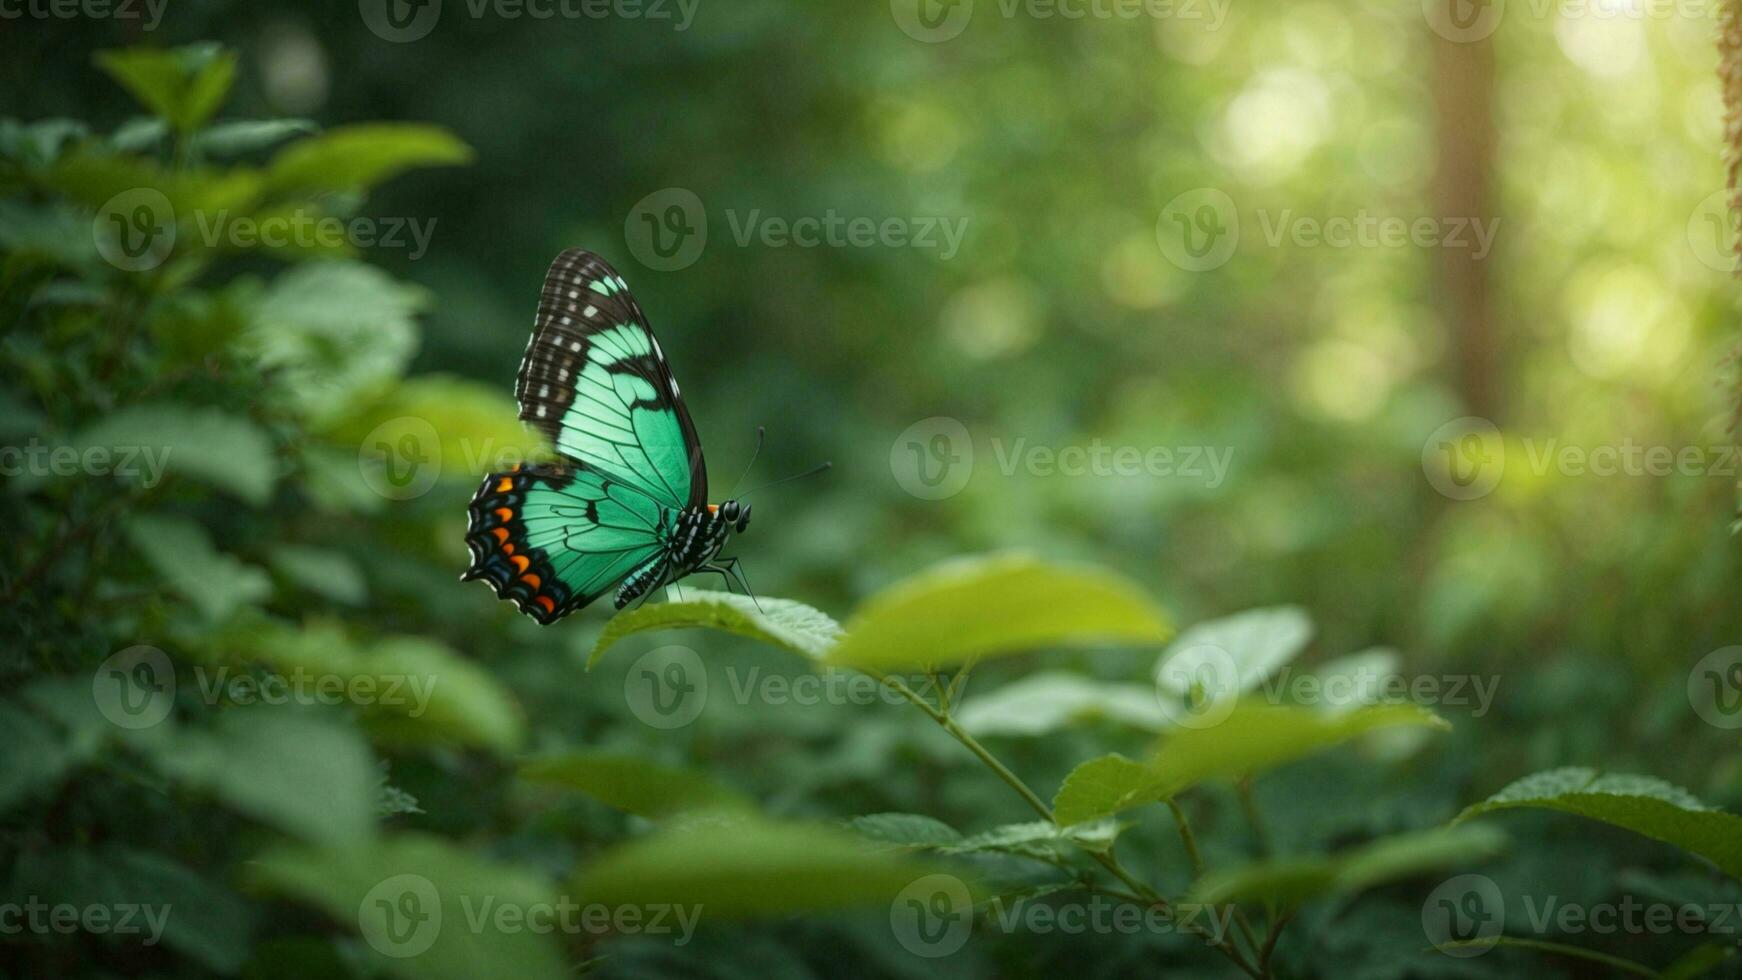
(624, 509)
(692, 543)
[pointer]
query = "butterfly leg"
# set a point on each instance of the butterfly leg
(729, 569)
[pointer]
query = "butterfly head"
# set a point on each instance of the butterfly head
(735, 514)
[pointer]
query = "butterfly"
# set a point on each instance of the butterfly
(624, 510)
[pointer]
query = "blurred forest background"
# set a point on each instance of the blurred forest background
(1602, 315)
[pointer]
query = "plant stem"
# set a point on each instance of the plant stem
(1188, 838)
(1197, 861)
(1250, 806)
(1149, 896)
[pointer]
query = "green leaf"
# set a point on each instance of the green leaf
(736, 865)
(55, 232)
(337, 331)
(327, 573)
(185, 86)
(980, 607)
(296, 770)
(199, 197)
(32, 756)
(198, 917)
(412, 689)
(784, 623)
(246, 135)
(208, 445)
(905, 829)
(1046, 702)
(1250, 739)
(182, 553)
(631, 783)
(1040, 839)
(1254, 644)
(1102, 786)
(1697, 962)
(139, 134)
(427, 910)
(1641, 804)
(1290, 881)
(359, 157)
(36, 145)
(204, 444)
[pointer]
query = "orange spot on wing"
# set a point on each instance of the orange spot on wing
(504, 514)
(545, 601)
(504, 485)
(533, 580)
(508, 549)
(500, 532)
(519, 561)
(713, 508)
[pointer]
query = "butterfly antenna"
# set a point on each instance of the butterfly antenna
(813, 471)
(760, 432)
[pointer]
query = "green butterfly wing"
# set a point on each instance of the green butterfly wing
(595, 382)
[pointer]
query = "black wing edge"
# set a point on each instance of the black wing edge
(569, 312)
(496, 536)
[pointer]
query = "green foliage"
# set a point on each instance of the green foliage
(453, 890)
(1250, 739)
(735, 865)
(631, 783)
(972, 609)
(789, 625)
(263, 378)
(1641, 804)
(1290, 882)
